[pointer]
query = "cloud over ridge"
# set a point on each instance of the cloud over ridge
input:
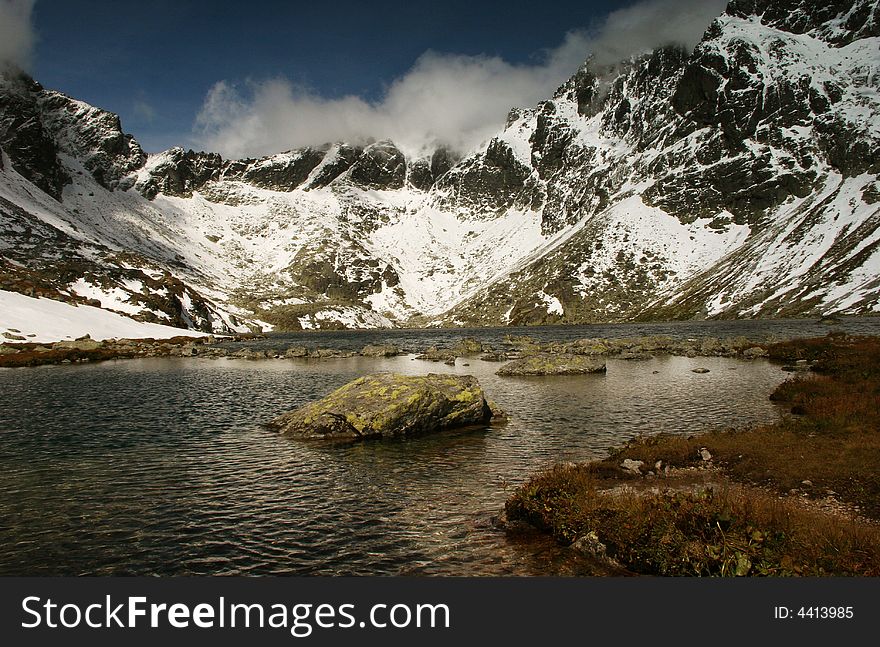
(451, 99)
(16, 32)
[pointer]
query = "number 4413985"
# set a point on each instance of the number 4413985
(814, 613)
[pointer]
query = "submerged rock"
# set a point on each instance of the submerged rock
(296, 351)
(635, 356)
(249, 353)
(553, 365)
(325, 353)
(467, 346)
(380, 350)
(385, 404)
(434, 354)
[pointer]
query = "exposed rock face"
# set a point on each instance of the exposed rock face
(339, 159)
(424, 172)
(37, 125)
(180, 172)
(386, 405)
(283, 172)
(487, 183)
(545, 364)
(93, 136)
(23, 137)
(382, 166)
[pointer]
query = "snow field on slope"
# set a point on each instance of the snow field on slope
(50, 321)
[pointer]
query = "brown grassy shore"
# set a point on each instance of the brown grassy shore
(799, 497)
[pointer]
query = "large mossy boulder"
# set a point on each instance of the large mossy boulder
(386, 405)
(547, 364)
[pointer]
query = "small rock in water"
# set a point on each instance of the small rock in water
(296, 351)
(380, 350)
(807, 482)
(699, 370)
(553, 365)
(636, 356)
(434, 354)
(467, 346)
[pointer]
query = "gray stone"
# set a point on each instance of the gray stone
(545, 364)
(78, 344)
(590, 545)
(385, 404)
(380, 350)
(754, 352)
(632, 466)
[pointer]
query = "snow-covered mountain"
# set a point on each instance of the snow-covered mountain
(736, 180)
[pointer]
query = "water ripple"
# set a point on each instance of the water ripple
(160, 466)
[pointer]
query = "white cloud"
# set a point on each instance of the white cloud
(16, 32)
(143, 110)
(453, 99)
(653, 23)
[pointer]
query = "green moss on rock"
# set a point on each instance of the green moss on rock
(387, 405)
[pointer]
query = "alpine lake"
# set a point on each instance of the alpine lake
(163, 466)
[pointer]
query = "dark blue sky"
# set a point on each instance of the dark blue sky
(154, 61)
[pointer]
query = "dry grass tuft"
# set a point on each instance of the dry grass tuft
(712, 532)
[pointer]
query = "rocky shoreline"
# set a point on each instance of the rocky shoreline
(581, 352)
(796, 497)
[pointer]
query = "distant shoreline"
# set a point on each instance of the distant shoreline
(86, 350)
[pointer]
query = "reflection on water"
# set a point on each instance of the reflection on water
(161, 466)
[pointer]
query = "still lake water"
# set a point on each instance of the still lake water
(161, 466)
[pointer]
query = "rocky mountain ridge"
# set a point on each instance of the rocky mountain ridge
(736, 180)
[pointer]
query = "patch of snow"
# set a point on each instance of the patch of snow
(554, 306)
(112, 299)
(51, 321)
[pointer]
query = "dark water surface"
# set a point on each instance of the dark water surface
(160, 466)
